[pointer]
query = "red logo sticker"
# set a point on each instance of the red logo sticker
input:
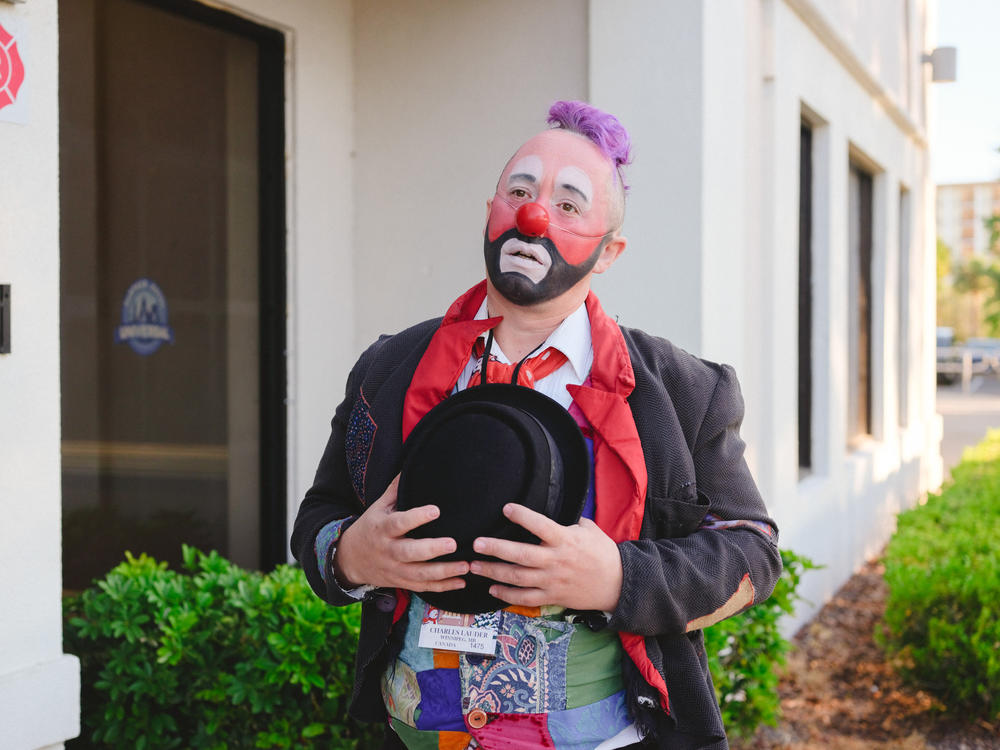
(11, 68)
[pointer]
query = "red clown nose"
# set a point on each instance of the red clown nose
(532, 219)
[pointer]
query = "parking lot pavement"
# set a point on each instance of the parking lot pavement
(967, 416)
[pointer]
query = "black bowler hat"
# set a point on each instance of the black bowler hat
(478, 450)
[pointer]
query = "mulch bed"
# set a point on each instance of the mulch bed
(838, 691)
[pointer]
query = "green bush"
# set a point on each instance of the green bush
(746, 651)
(217, 657)
(942, 566)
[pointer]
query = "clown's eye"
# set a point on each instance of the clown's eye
(567, 208)
(519, 193)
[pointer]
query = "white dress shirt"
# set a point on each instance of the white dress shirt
(571, 337)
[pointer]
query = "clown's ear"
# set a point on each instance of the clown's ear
(610, 253)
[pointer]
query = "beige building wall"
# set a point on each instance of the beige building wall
(885, 39)
(647, 65)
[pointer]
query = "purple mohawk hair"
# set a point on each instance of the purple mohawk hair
(603, 129)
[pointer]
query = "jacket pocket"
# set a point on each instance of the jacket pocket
(676, 518)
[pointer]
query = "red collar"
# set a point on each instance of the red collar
(446, 356)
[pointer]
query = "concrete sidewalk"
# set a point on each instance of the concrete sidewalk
(967, 416)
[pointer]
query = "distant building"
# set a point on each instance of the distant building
(961, 210)
(284, 181)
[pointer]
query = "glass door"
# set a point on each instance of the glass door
(172, 285)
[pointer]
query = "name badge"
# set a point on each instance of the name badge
(454, 631)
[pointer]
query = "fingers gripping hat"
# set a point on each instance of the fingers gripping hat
(480, 449)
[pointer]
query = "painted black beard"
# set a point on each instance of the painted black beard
(521, 290)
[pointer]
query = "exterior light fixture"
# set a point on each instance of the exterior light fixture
(943, 62)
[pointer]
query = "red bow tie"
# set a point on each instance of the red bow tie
(526, 372)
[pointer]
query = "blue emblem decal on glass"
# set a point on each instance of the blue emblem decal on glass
(144, 325)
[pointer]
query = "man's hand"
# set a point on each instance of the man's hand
(375, 550)
(577, 566)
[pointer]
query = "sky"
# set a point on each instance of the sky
(965, 115)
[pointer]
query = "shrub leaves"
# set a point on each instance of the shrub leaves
(213, 657)
(943, 571)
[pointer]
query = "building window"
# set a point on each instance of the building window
(904, 307)
(805, 376)
(859, 391)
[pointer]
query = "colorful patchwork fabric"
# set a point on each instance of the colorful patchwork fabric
(552, 683)
(327, 537)
(576, 728)
(528, 674)
(416, 739)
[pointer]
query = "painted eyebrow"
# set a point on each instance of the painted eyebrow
(526, 176)
(575, 189)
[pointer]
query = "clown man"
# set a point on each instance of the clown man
(600, 643)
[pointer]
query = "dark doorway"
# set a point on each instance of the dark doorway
(172, 284)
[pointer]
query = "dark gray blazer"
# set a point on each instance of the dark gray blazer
(687, 412)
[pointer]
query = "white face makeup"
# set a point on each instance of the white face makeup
(572, 192)
(526, 174)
